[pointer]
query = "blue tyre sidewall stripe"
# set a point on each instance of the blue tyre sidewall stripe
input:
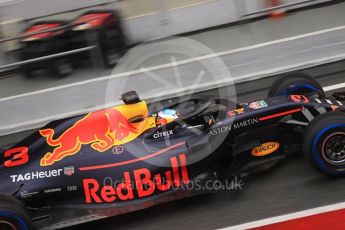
(316, 156)
(294, 88)
(15, 217)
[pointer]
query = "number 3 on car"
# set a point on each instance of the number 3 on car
(16, 157)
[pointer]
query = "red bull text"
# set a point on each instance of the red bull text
(145, 183)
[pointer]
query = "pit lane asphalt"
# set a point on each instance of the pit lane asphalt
(292, 185)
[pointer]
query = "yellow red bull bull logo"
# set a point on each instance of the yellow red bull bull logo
(102, 130)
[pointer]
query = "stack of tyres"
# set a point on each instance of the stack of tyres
(36, 43)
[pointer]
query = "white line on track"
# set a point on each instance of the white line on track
(291, 216)
(182, 62)
(334, 87)
(22, 126)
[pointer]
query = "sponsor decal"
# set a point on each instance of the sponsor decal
(333, 103)
(265, 149)
(235, 112)
(318, 100)
(258, 104)
(36, 175)
(26, 194)
(329, 102)
(163, 134)
(221, 130)
(254, 105)
(52, 190)
(72, 188)
(245, 123)
(299, 98)
(16, 157)
(236, 125)
(117, 150)
(68, 171)
(195, 126)
(102, 130)
(146, 183)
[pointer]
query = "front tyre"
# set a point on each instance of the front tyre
(13, 215)
(62, 68)
(296, 83)
(324, 143)
(111, 57)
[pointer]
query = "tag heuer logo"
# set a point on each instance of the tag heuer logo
(69, 171)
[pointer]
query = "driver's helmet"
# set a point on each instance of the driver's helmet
(166, 116)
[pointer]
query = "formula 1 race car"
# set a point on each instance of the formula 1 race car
(126, 158)
(37, 44)
(101, 29)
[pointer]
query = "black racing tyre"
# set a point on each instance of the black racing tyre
(324, 143)
(13, 215)
(28, 72)
(111, 57)
(296, 83)
(63, 68)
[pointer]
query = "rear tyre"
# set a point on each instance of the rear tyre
(13, 215)
(324, 143)
(296, 83)
(28, 72)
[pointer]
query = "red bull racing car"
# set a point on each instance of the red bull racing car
(126, 158)
(100, 29)
(37, 43)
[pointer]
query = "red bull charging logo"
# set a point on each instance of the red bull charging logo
(102, 130)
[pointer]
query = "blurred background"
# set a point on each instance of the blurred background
(146, 19)
(149, 19)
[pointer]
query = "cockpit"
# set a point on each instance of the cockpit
(191, 112)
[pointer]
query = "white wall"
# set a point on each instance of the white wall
(181, 20)
(193, 18)
(37, 8)
(251, 6)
